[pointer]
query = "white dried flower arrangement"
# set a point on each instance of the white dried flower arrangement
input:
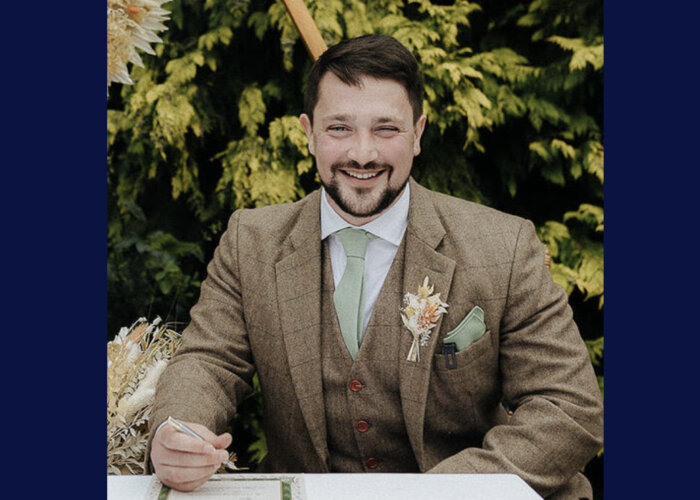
(131, 24)
(135, 360)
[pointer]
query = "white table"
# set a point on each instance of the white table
(375, 487)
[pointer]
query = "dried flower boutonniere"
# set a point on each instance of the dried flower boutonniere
(420, 313)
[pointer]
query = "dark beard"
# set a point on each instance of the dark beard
(387, 198)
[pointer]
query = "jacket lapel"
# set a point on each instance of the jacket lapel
(299, 300)
(423, 235)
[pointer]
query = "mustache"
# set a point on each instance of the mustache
(372, 165)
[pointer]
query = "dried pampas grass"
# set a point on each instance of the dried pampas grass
(135, 360)
(131, 24)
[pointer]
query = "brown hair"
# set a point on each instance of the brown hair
(378, 56)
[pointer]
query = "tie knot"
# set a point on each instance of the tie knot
(355, 241)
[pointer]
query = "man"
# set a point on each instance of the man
(345, 387)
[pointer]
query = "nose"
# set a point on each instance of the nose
(363, 149)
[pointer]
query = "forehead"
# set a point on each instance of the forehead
(371, 96)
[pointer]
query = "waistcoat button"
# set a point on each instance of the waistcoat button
(362, 425)
(355, 385)
(372, 463)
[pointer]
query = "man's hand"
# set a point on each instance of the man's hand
(183, 462)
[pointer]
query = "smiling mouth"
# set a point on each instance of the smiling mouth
(364, 175)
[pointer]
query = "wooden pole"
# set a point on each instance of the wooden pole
(306, 27)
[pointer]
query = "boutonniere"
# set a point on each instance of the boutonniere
(420, 313)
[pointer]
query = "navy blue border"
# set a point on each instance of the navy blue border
(651, 137)
(54, 247)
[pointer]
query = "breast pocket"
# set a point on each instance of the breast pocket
(444, 362)
(456, 396)
(453, 392)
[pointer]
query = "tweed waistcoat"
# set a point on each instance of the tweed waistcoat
(365, 428)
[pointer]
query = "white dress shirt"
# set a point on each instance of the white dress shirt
(388, 228)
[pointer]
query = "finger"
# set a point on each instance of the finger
(182, 459)
(178, 441)
(202, 431)
(222, 441)
(184, 478)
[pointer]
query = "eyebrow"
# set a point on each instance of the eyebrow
(337, 118)
(344, 118)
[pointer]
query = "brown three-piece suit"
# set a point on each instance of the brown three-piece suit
(266, 305)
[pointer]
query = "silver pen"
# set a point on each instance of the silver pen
(186, 430)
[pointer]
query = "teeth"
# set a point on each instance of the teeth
(362, 176)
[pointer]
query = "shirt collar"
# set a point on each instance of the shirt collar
(389, 226)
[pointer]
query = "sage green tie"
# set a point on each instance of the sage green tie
(349, 295)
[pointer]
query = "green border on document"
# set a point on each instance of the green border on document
(286, 486)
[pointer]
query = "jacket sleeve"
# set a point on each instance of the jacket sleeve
(211, 372)
(547, 381)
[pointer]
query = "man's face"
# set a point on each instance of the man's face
(364, 140)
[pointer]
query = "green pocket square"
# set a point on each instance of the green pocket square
(469, 330)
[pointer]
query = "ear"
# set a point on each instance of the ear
(418, 130)
(308, 130)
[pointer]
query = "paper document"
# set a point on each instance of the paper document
(235, 486)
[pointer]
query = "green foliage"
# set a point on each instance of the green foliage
(148, 270)
(578, 259)
(595, 349)
(513, 94)
(248, 423)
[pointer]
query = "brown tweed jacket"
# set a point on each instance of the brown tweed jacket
(259, 309)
